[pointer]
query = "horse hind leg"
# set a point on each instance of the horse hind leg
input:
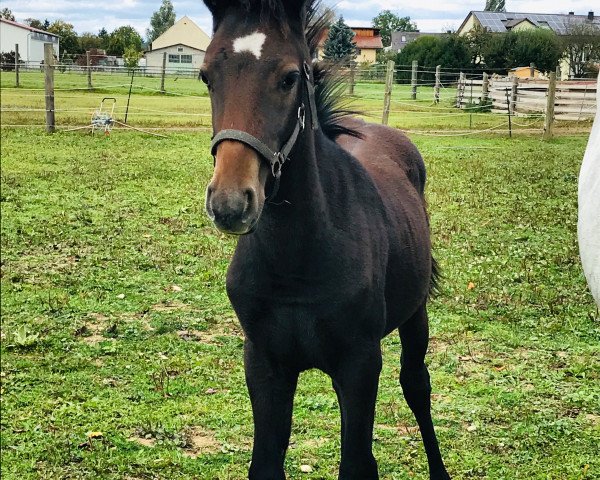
(414, 379)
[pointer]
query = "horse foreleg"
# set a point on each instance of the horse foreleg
(416, 387)
(356, 381)
(271, 389)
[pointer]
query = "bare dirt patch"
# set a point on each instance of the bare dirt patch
(200, 442)
(146, 442)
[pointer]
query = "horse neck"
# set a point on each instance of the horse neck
(299, 213)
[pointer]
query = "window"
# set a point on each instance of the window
(173, 58)
(404, 38)
(186, 59)
(180, 49)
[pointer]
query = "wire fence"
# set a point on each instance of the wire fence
(154, 101)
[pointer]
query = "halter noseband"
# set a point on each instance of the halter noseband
(275, 159)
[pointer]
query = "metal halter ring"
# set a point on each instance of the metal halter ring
(301, 116)
(276, 164)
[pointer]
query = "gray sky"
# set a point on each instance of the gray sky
(430, 15)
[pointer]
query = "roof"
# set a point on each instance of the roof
(27, 27)
(174, 45)
(498, 22)
(515, 21)
(361, 41)
(183, 31)
(368, 42)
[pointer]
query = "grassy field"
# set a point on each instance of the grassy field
(121, 357)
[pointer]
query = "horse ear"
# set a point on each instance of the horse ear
(217, 9)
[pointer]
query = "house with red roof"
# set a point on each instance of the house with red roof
(368, 43)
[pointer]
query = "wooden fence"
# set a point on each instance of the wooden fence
(574, 100)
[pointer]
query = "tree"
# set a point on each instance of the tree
(122, 38)
(104, 38)
(450, 50)
(582, 48)
(7, 14)
(520, 48)
(161, 20)
(69, 42)
(478, 39)
(389, 22)
(339, 45)
(8, 60)
(495, 6)
(131, 58)
(88, 41)
(33, 23)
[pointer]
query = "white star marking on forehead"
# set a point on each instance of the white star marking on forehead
(252, 43)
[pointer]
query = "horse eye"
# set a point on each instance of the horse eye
(290, 80)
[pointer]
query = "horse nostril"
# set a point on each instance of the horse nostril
(249, 208)
(208, 205)
(250, 196)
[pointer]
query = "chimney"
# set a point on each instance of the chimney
(590, 16)
(571, 13)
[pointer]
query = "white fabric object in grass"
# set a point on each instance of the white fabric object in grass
(588, 225)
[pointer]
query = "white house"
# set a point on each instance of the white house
(31, 40)
(185, 45)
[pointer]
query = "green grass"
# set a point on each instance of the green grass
(115, 319)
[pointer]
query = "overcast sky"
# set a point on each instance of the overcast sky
(431, 16)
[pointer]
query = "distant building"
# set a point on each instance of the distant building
(31, 41)
(368, 42)
(401, 39)
(185, 44)
(501, 22)
(525, 72)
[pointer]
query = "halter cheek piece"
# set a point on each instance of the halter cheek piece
(275, 159)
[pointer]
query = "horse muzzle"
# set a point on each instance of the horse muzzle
(233, 211)
(235, 195)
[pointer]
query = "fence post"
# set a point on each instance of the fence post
(88, 59)
(413, 79)
(485, 89)
(513, 94)
(389, 81)
(352, 77)
(532, 70)
(17, 65)
(549, 118)
(162, 75)
(436, 89)
(49, 86)
(460, 90)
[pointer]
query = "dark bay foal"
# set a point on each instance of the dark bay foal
(334, 251)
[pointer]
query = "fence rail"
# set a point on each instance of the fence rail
(574, 99)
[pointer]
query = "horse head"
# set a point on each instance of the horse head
(255, 68)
